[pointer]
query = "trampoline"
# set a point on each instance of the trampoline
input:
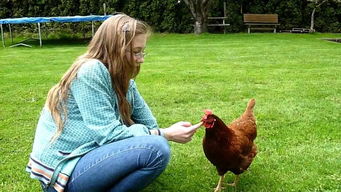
(39, 20)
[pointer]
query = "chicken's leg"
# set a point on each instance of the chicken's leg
(218, 188)
(236, 179)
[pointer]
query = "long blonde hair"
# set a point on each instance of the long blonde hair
(110, 45)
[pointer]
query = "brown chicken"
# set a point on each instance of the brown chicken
(230, 147)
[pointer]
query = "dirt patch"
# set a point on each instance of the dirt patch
(337, 40)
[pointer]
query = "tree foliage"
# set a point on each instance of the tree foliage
(175, 16)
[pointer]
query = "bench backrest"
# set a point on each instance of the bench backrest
(260, 18)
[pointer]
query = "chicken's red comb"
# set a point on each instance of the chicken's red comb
(208, 112)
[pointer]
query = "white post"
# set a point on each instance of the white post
(93, 28)
(40, 42)
(2, 36)
(225, 14)
(10, 32)
(224, 17)
(104, 9)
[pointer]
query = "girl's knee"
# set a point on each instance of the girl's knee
(162, 146)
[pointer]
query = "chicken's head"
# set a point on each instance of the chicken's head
(208, 119)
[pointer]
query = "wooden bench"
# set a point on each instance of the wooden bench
(262, 21)
(220, 24)
(221, 19)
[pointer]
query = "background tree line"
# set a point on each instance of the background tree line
(174, 16)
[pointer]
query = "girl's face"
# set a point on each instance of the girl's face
(138, 46)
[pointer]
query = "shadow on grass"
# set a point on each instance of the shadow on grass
(66, 42)
(52, 42)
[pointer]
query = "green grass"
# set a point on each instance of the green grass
(295, 78)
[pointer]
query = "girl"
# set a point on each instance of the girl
(95, 132)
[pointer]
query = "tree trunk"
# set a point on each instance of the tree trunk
(200, 25)
(312, 20)
(198, 10)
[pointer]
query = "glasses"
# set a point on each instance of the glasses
(139, 55)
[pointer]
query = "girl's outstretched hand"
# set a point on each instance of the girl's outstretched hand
(181, 132)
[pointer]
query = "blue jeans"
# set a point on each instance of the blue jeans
(127, 165)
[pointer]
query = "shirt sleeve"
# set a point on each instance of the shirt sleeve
(96, 101)
(141, 112)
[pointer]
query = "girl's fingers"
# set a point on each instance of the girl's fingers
(196, 126)
(185, 124)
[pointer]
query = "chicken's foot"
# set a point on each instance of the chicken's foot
(219, 186)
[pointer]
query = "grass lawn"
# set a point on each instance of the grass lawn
(295, 78)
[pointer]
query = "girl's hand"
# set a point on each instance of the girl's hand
(181, 132)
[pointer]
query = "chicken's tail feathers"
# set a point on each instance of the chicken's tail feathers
(251, 104)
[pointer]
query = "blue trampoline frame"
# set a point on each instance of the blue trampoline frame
(38, 20)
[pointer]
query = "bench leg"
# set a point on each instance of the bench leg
(274, 30)
(248, 29)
